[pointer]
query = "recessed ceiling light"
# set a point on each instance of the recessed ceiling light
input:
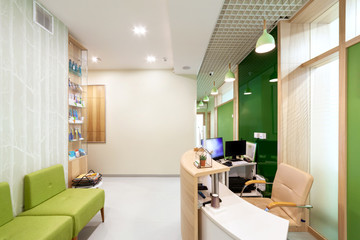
(139, 30)
(95, 59)
(150, 59)
(186, 67)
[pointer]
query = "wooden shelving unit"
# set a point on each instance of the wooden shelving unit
(77, 109)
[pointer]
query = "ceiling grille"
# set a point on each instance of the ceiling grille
(236, 32)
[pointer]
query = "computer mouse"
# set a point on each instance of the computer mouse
(229, 164)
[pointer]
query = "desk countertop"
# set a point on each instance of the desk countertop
(187, 163)
(242, 220)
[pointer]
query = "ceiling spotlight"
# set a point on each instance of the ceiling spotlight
(139, 30)
(95, 59)
(150, 59)
(186, 67)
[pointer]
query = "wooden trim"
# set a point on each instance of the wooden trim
(236, 105)
(315, 234)
(342, 179)
(279, 86)
(352, 41)
(76, 43)
(312, 10)
(300, 11)
(215, 122)
(208, 125)
(320, 57)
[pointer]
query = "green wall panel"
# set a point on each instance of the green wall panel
(258, 111)
(353, 138)
(225, 121)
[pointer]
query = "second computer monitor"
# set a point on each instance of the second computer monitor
(235, 148)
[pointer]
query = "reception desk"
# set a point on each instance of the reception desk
(235, 219)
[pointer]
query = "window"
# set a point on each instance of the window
(325, 31)
(352, 19)
(324, 147)
(226, 93)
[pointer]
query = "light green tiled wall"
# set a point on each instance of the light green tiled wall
(33, 95)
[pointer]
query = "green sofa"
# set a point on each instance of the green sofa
(45, 194)
(30, 227)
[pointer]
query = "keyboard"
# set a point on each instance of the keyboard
(235, 160)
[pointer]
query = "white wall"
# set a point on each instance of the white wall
(150, 121)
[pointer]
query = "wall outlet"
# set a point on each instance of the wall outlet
(260, 135)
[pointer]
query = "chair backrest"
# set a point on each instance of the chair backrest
(291, 185)
(41, 185)
(6, 214)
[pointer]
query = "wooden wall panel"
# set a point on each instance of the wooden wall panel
(96, 130)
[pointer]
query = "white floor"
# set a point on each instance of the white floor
(139, 208)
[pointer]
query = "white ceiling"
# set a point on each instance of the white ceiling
(177, 30)
(204, 35)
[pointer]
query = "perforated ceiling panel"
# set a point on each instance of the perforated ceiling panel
(239, 26)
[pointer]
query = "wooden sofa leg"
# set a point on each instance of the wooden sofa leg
(75, 238)
(102, 215)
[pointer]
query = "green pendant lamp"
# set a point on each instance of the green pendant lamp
(214, 90)
(201, 104)
(266, 42)
(230, 76)
(273, 76)
(247, 90)
(206, 98)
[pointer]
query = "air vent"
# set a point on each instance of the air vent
(43, 18)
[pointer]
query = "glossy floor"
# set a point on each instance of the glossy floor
(138, 208)
(142, 208)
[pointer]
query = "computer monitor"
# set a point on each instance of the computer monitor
(215, 145)
(250, 150)
(235, 148)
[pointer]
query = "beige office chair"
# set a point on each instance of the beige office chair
(290, 190)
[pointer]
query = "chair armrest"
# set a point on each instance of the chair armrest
(285, 204)
(253, 182)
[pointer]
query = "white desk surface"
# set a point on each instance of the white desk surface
(242, 220)
(240, 163)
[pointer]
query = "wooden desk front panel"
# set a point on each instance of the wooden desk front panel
(189, 210)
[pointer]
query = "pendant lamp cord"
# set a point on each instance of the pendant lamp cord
(264, 24)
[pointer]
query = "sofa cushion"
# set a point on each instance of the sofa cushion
(80, 204)
(6, 214)
(38, 228)
(41, 185)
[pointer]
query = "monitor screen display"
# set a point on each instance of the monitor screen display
(235, 148)
(215, 145)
